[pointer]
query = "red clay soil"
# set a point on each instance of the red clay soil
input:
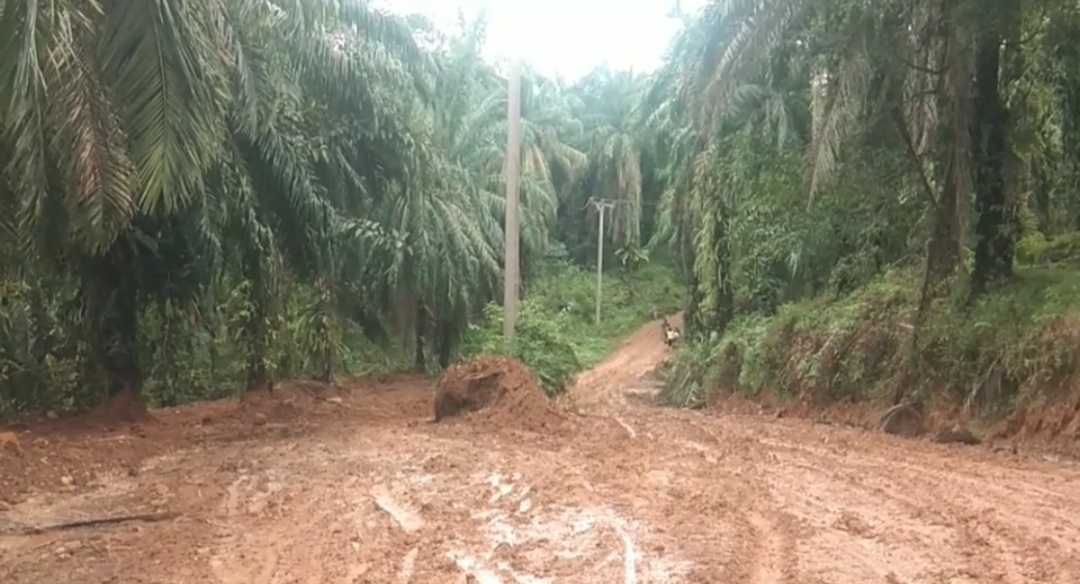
(358, 485)
(499, 392)
(1054, 426)
(635, 361)
(39, 453)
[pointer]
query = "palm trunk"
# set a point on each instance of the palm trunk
(692, 315)
(328, 347)
(258, 346)
(258, 378)
(1070, 146)
(113, 306)
(995, 228)
(723, 308)
(943, 247)
(419, 359)
(446, 347)
(256, 333)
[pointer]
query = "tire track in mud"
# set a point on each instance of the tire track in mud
(239, 560)
(451, 514)
(271, 529)
(862, 533)
(625, 494)
(771, 550)
(873, 511)
(990, 528)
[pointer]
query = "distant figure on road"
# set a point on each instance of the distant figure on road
(671, 334)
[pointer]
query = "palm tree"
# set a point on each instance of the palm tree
(895, 60)
(173, 125)
(606, 104)
(450, 264)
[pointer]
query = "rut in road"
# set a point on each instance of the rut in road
(621, 493)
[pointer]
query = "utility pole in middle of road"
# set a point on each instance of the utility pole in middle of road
(601, 206)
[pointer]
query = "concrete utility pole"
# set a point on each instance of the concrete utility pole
(601, 206)
(512, 247)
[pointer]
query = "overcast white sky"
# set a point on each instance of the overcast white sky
(565, 37)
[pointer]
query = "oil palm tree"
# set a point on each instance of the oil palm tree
(908, 64)
(130, 123)
(452, 262)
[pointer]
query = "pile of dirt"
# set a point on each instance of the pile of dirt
(497, 391)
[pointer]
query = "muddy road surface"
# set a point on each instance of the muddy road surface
(618, 492)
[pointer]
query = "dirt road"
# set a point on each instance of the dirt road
(623, 493)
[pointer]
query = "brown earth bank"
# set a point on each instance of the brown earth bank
(358, 484)
(1041, 428)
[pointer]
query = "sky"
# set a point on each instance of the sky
(567, 38)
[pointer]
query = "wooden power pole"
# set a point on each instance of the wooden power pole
(601, 206)
(512, 247)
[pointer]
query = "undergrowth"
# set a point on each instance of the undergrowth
(556, 338)
(1019, 340)
(556, 335)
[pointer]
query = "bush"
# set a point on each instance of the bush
(540, 343)
(1023, 336)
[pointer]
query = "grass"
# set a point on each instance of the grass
(1020, 341)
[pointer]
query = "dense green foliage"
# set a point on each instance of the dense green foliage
(204, 197)
(199, 197)
(556, 333)
(860, 183)
(1018, 343)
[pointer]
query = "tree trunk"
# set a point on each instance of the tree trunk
(327, 372)
(419, 360)
(258, 378)
(256, 333)
(995, 228)
(445, 343)
(114, 309)
(1070, 146)
(445, 354)
(692, 315)
(723, 309)
(943, 246)
(328, 353)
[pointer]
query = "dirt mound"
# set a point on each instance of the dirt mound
(499, 390)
